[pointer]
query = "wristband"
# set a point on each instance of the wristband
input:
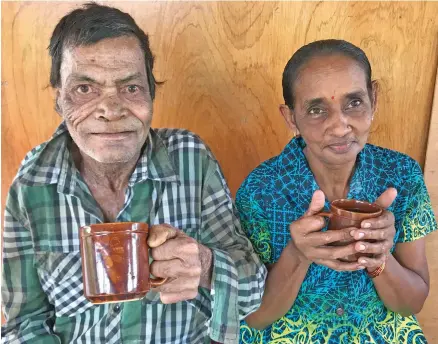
(378, 271)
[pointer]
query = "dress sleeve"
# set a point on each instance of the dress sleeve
(254, 222)
(419, 219)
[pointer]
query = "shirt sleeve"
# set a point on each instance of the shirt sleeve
(254, 222)
(238, 275)
(29, 315)
(419, 219)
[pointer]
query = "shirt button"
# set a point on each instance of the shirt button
(116, 309)
(340, 311)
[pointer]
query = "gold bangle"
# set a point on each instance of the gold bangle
(378, 271)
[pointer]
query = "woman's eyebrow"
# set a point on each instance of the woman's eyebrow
(314, 101)
(355, 94)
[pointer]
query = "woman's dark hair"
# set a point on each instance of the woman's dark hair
(321, 48)
(91, 24)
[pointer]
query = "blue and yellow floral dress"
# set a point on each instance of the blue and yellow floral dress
(332, 307)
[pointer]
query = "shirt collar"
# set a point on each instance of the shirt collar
(52, 163)
(295, 149)
(292, 161)
(154, 162)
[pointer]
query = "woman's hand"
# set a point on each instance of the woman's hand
(376, 237)
(312, 245)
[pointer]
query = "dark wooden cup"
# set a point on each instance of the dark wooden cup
(346, 213)
(115, 262)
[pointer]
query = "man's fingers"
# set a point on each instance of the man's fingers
(387, 198)
(178, 285)
(174, 268)
(182, 247)
(159, 234)
(168, 298)
(316, 204)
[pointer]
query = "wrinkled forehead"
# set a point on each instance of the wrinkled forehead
(108, 58)
(325, 76)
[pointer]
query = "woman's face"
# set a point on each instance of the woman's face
(333, 110)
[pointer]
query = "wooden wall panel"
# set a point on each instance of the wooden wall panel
(429, 315)
(222, 64)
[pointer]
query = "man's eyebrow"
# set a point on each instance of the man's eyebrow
(129, 78)
(83, 78)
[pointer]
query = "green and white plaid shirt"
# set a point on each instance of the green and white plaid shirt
(176, 181)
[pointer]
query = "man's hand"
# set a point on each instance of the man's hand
(380, 230)
(186, 263)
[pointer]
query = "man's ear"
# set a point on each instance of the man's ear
(289, 117)
(58, 102)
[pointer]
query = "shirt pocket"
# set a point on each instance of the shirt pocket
(61, 279)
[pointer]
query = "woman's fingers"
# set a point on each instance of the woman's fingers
(379, 247)
(339, 265)
(372, 262)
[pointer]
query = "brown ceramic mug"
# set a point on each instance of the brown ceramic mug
(346, 213)
(115, 262)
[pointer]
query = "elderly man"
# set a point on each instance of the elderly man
(105, 164)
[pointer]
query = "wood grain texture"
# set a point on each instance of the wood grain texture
(222, 64)
(431, 164)
(429, 314)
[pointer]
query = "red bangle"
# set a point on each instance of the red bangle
(378, 271)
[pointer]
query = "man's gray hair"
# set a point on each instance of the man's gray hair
(89, 25)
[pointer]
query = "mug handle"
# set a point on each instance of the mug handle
(156, 282)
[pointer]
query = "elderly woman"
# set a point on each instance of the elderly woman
(312, 295)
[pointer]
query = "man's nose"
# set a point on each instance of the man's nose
(110, 108)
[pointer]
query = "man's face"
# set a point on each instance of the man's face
(104, 98)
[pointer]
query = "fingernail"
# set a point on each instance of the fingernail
(361, 247)
(362, 261)
(360, 235)
(361, 267)
(366, 225)
(352, 233)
